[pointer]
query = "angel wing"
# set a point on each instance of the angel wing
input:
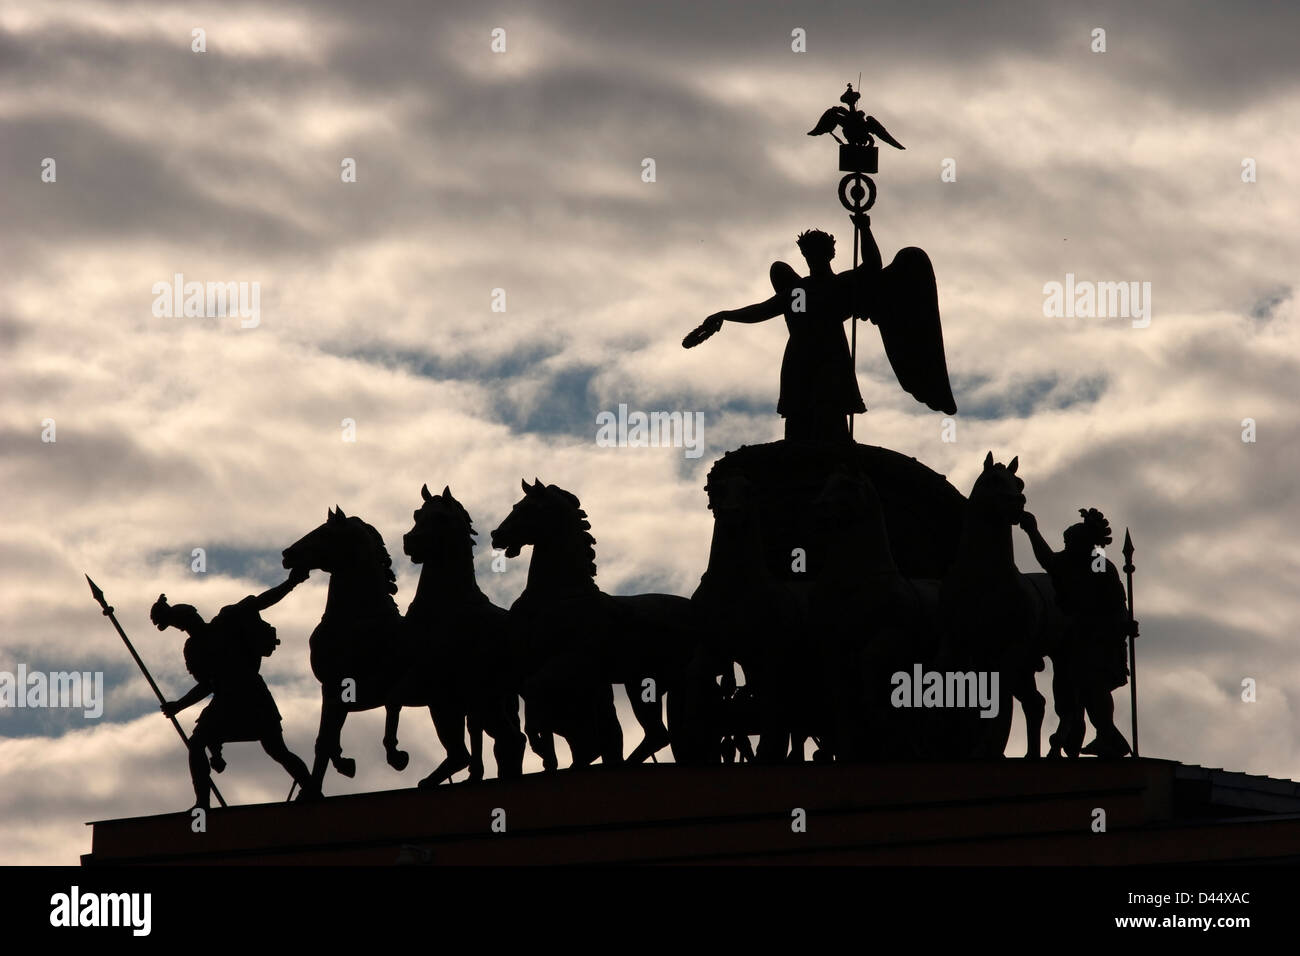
(906, 309)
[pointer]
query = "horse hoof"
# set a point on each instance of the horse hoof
(398, 759)
(476, 774)
(308, 796)
(429, 783)
(346, 766)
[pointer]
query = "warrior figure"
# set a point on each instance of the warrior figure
(224, 656)
(1090, 664)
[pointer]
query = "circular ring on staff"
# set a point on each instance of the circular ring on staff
(852, 199)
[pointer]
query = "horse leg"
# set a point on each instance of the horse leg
(611, 734)
(598, 732)
(578, 726)
(328, 747)
(540, 732)
(583, 751)
(1033, 705)
(543, 744)
(507, 741)
(1001, 724)
(992, 733)
(475, 727)
(539, 722)
(649, 714)
(344, 765)
(397, 759)
(451, 733)
(1056, 739)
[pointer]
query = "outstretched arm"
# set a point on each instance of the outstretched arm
(758, 312)
(264, 600)
(1042, 550)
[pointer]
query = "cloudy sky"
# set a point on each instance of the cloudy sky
(522, 171)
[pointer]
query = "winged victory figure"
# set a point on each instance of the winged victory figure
(819, 386)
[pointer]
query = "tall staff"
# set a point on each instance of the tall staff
(108, 613)
(853, 201)
(1132, 638)
(858, 156)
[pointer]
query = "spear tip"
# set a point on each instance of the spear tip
(95, 592)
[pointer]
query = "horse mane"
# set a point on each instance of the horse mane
(582, 527)
(382, 560)
(460, 511)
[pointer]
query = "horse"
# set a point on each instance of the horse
(359, 650)
(460, 643)
(575, 641)
(993, 618)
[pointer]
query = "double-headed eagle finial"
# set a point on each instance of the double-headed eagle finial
(859, 129)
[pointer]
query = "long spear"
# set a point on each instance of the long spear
(1132, 639)
(108, 613)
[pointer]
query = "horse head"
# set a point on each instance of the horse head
(545, 514)
(998, 493)
(343, 544)
(327, 548)
(441, 523)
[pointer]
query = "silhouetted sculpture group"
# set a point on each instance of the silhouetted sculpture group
(820, 658)
(867, 604)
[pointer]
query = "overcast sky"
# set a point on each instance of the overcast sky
(522, 171)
